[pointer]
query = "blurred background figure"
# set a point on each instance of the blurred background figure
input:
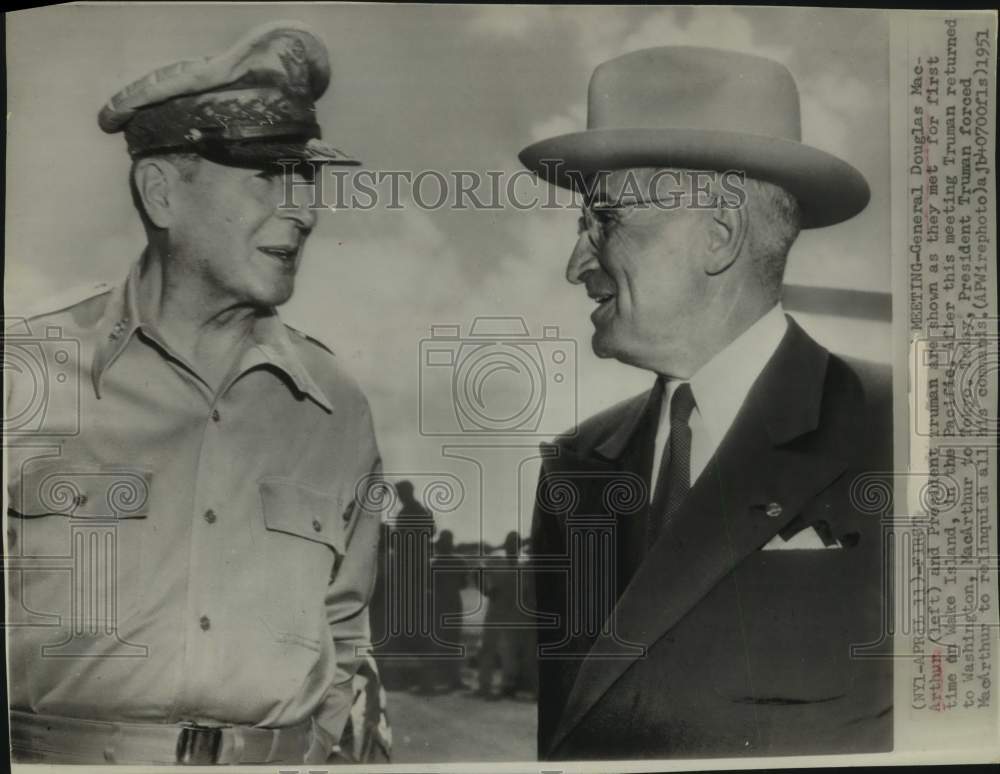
(449, 573)
(507, 634)
(382, 636)
(403, 633)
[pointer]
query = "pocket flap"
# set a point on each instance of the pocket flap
(300, 510)
(53, 486)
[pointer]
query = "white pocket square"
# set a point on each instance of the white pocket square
(808, 539)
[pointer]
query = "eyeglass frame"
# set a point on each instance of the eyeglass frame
(589, 208)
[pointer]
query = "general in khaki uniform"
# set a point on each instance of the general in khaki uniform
(190, 555)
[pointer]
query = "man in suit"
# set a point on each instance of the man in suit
(707, 584)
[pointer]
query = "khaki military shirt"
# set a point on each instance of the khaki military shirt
(177, 554)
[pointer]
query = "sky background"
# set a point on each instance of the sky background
(431, 88)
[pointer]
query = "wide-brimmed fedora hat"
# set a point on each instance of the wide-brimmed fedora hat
(702, 109)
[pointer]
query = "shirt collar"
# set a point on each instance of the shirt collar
(720, 387)
(116, 327)
(271, 340)
(123, 317)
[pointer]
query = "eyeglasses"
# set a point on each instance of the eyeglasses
(599, 221)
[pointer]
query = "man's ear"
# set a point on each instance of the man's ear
(155, 182)
(727, 230)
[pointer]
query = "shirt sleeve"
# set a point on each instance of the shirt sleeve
(347, 603)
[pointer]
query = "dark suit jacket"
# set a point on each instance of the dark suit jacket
(714, 647)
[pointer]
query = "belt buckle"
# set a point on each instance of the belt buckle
(199, 745)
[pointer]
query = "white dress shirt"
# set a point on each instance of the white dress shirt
(720, 387)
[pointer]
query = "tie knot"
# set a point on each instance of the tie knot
(681, 404)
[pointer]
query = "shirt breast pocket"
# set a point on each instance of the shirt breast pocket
(302, 543)
(76, 537)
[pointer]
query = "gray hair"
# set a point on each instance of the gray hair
(775, 222)
(774, 214)
(186, 164)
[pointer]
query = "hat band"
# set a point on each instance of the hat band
(198, 140)
(236, 131)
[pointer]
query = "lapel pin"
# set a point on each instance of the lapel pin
(773, 510)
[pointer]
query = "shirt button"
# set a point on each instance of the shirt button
(210, 516)
(317, 526)
(205, 623)
(216, 416)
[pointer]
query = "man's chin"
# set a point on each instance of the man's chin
(282, 298)
(608, 347)
(603, 346)
(275, 295)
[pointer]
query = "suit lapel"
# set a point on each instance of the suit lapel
(754, 485)
(623, 449)
(637, 458)
(600, 485)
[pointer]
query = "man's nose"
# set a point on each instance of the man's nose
(581, 260)
(296, 204)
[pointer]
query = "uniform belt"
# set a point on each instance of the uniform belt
(49, 738)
